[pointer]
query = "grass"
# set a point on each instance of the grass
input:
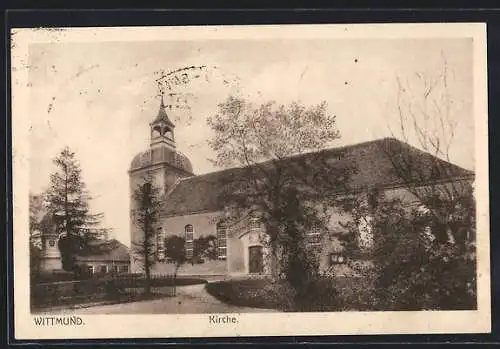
(340, 294)
(69, 303)
(117, 290)
(248, 293)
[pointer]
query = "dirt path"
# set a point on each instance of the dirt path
(193, 299)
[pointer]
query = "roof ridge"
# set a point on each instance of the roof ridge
(364, 143)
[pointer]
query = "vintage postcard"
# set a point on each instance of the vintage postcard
(219, 181)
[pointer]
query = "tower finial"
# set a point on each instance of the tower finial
(162, 103)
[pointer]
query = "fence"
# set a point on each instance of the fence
(117, 288)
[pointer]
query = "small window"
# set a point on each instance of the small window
(314, 236)
(90, 269)
(115, 269)
(124, 268)
(189, 232)
(254, 223)
(337, 258)
(365, 237)
(189, 247)
(103, 269)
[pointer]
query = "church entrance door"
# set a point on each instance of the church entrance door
(255, 259)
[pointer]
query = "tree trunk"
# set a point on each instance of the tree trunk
(147, 289)
(175, 279)
(275, 267)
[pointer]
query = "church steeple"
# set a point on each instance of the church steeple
(162, 129)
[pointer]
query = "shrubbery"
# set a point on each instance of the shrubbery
(263, 293)
(415, 270)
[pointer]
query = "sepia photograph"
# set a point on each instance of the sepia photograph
(250, 180)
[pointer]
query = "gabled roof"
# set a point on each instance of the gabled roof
(107, 250)
(372, 161)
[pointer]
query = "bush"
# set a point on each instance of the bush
(53, 276)
(355, 293)
(247, 293)
(263, 293)
(442, 280)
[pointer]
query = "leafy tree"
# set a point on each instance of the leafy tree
(145, 216)
(204, 247)
(412, 269)
(277, 150)
(36, 212)
(175, 252)
(68, 206)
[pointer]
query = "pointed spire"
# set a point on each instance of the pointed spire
(162, 105)
(162, 114)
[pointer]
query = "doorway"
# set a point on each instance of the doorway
(255, 260)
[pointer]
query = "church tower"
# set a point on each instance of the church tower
(161, 161)
(162, 129)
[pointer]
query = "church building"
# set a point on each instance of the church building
(192, 207)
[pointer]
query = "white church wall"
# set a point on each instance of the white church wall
(204, 224)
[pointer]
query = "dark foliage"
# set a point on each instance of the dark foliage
(145, 215)
(283, 173)
(263, 293)
(68, 209)
(413, 269)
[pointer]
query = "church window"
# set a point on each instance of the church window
(314, 236)
(160, 245)
(156, 131)
(365, 238)
(254, 223)
(189, 237)
(221, 240)
(337, 258)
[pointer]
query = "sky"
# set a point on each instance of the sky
(99, 97)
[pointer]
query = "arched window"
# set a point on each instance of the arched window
(189, 237)
(221, 240)
(169, 134)
(156, 131)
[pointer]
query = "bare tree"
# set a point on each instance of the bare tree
(426, 110)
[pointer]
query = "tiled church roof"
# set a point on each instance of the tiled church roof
(374, 169)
